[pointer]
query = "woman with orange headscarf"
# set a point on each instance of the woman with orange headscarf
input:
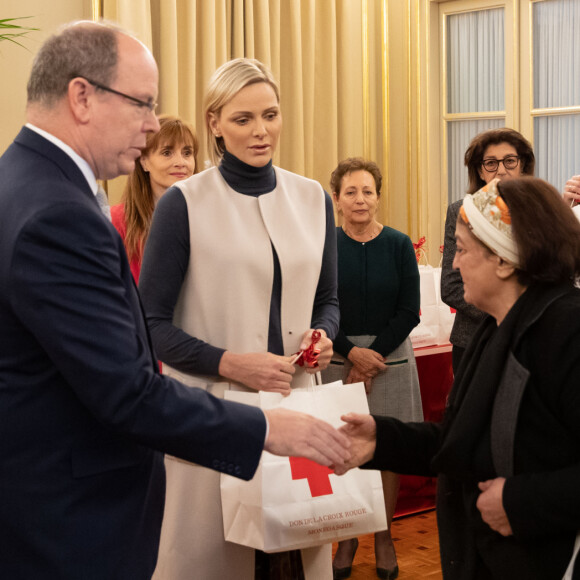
(506, 454)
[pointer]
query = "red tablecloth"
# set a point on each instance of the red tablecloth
(435, 379)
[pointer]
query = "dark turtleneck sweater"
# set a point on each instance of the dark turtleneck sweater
(161, 278)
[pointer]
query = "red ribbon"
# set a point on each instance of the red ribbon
(309, 357)
(419, 247)
(420, 243)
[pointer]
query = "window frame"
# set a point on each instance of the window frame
(510, 114)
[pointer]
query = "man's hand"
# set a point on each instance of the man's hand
(362, 433)
(259, 371)
(490, 504)
(300, 435)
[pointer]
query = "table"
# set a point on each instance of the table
(435, 379)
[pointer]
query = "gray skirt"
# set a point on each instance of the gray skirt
(395, 391)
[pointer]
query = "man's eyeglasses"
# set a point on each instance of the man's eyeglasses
(509, 162)
(145, 104)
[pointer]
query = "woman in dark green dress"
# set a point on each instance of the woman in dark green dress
(378, 291)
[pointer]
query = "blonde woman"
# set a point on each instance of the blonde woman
(252, 274)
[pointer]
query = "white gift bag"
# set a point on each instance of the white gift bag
(446, 313)
(294, 503)
(436, 317)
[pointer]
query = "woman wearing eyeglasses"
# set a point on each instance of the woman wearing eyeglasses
(497, 153)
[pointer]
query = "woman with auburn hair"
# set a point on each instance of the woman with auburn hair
(252, 276)
(169, 156)
(378, 292)
(507, 452)
(494, 154)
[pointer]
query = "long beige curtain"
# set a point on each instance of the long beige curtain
(348, 72)
(314, 48)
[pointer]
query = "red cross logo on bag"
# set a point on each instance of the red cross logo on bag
(317, 475)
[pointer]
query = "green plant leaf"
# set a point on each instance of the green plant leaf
(10, 31)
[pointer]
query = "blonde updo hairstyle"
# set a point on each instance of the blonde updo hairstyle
(227, 81)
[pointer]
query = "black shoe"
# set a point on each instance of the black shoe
(342, 573)
(385, 574)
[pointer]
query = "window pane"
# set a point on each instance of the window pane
(556, 30)
(459, 135)
(475, 61)
(557, 148)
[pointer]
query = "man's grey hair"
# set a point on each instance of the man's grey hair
(80, 49)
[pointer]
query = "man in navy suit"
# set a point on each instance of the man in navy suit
(84, 413)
